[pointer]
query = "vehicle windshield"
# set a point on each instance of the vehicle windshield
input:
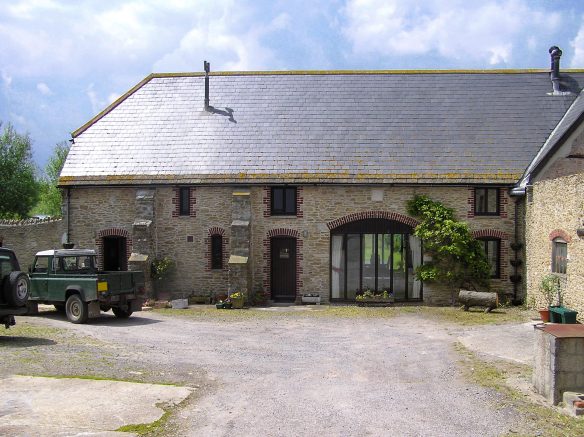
(76, 264)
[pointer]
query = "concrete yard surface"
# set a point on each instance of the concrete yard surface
(38, 406)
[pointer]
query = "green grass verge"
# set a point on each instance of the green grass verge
(148, 428)
(536, 419)
(442, 314)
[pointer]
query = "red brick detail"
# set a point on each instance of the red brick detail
(471, 203)
(266, 200)
(192, 202)
(224, 243)
(373, 214)
(560, 233)
(490, 233)
(503, 202)
(299, 202)
(111, 232)
(282, 232)
(503, 249)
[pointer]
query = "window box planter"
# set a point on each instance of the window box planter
(375, 301)
(311, 298)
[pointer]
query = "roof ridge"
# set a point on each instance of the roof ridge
(361, 72)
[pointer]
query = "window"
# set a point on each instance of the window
(486, 201)
(216, 252)
(559, 256)
(41, 265)
(492, 251)
(283, 201)
(184, 201)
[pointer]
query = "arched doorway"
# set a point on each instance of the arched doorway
(375, 254)
(114, 253)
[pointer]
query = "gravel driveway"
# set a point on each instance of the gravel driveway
(294, 375)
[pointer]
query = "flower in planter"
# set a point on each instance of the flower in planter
(237, 295)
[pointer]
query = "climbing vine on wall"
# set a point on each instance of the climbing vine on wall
(457, 259)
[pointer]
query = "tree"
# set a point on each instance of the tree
(18, 186)
(49, 195)
(457, 258)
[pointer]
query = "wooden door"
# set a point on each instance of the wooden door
(283, 270)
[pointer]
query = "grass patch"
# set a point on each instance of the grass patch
(148, 428)
(536, 419)
(442, 314)
(458, 316)
(26, 329)
(104, 378)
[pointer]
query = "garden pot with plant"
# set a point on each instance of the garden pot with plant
(237, 299)
(550, 289)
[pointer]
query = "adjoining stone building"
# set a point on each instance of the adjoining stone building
(287, 183)
(554, 188)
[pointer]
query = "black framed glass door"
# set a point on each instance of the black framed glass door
(376, 261)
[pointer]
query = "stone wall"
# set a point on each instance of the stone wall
(556, 205)
(27, 237)
(186, 239)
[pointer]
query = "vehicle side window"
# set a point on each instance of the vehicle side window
(5, 265)
(41, 264)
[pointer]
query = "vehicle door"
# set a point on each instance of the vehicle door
(39, 275)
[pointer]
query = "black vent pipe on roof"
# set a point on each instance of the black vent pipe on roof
(555, 54)
(207, 67)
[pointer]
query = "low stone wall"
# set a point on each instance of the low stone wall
(27, 237)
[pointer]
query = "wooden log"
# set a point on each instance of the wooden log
(478, 298)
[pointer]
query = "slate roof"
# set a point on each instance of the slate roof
(322, 127)
(571, 120)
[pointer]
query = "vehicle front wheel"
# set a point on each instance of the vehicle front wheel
(76, 309)
(122, 314)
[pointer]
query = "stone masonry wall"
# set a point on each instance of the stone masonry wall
(557, 206)
(28, 237)
(185, 239)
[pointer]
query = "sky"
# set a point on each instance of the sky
(63, 61)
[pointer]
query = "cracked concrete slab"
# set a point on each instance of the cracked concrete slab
(39, 406)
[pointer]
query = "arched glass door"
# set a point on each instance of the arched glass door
(377, 255)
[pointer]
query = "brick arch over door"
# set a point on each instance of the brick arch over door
(490, 233)
(388, 215)
(282, 232)
(111, 232)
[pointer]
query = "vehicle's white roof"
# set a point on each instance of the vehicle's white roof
(66, 252)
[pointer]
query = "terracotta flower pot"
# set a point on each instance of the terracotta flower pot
(544, 313)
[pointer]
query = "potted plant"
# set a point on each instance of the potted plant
(237, 299)
(550, 290)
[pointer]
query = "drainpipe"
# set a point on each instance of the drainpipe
(67, 215)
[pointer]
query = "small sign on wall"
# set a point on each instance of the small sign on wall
(377, 195)
(284, 253)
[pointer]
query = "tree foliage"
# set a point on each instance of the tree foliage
(457, 259)
(18, 186)
(50, 197)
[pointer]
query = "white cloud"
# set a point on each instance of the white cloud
(6, 78)
(578, 45)
(476, 31)
(229, 37)
(44, 89)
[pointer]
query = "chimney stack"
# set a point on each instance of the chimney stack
(207, 68)
(555, 54)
